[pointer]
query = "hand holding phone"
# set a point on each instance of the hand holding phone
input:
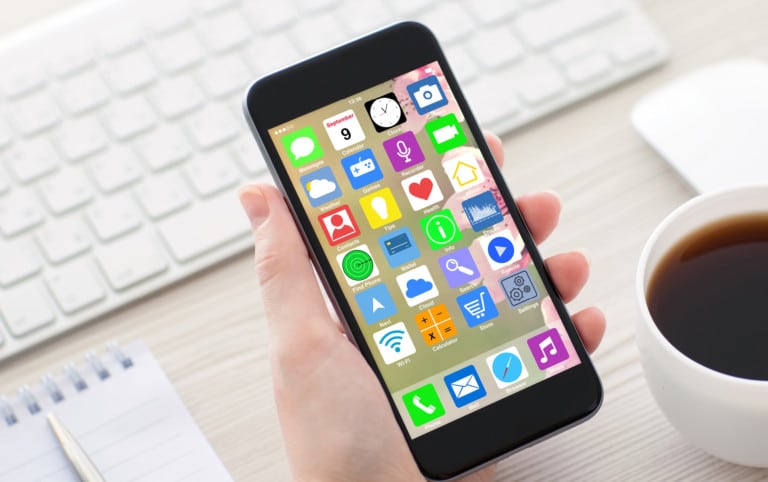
(511, 405)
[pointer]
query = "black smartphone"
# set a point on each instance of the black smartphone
(422, 249)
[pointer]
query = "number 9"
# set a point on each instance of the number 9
(346, 134)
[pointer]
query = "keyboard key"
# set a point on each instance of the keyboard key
(326, 33)
(575, 48)
(32, 160)
(115, 168)
(553, 21)
(178, 51)
(208, 6)
(75, 286)
(493, 11)
(247, 154)
(25, 309)
(120, 37)
(176, 97)
(225, 30)
(495, 47)
(212, 126)
(128, 117)
(224, 75)
(281, 14)
(130, 72)
(82, 93)
(362, 17)
(448, 20)
(17, 262)
(163, 194)
(271, 53)
(78, 139)
(4, 184)
(131, 259)
(631, 48)
(223, 223)
(537, 81)
(163, 147)
(62, 240)
(66, 190)
(5, 134)
(19, 211)
(588, 68)
(316, 5)
(463, 65)
(167, 16)
(21, 80)
(212, 173)
(112, 217)
(483, 96)
(71, 58)
(34, 114)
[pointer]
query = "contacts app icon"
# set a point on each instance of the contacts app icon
(339, 225)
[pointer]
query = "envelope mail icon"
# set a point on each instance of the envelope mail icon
(464, 386)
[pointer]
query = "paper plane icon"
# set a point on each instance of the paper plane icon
(376, 305)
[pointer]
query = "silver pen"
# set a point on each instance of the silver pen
(74, 452)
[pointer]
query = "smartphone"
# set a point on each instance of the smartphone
(422, 250)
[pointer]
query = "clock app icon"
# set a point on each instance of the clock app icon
(385, 112)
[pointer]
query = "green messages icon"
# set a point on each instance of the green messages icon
(423, 405)
(445, 133)
(302, 146)
(441, 229)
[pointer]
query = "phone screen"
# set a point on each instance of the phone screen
(422, 243)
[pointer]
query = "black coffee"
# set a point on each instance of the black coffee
(709, 296)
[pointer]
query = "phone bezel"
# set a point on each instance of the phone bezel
(483, 436)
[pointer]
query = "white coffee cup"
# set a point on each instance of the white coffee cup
(724, 415)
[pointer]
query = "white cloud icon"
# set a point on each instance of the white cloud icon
(318, 188)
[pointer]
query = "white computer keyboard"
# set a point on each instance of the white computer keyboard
(122, 139)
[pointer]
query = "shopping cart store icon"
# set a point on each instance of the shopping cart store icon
(477, 306)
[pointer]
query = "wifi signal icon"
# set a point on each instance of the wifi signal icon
(394, 343)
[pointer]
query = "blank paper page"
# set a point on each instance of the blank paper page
(133, 426)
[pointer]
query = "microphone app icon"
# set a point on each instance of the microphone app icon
(403, 151)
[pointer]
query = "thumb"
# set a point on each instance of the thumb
(290, 291)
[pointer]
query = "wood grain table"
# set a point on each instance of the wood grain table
(209, 332)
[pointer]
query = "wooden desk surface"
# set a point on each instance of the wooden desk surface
(209, 332)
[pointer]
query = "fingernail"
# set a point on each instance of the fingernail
(554, 193)
(254, 204)
(587, 255)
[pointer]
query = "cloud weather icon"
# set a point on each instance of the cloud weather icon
(318, 188)
(416, 287)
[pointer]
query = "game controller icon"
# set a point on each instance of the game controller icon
(362, 167)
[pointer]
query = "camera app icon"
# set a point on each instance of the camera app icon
(427, 95)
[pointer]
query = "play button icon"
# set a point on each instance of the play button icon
(500, 249)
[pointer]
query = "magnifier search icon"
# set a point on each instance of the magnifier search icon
(452, 265)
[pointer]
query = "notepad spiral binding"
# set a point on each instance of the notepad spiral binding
(27, 399)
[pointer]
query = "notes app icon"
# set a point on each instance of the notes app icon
(548, 349)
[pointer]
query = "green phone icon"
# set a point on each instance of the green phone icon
(423, 405)
(445, 133)
(302, 146)
(441, 229)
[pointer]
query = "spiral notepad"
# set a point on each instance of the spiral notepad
(123, 411)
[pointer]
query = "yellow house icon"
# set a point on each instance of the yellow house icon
(464, 173)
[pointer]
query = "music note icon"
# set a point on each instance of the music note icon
(548, 349)
(547, 343)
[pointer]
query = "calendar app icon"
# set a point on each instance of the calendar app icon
(344, 130)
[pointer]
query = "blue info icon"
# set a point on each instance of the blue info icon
(320, 186)
(376, 304)
(427, 95)
(362, 169)
(477, 306)
(399, 247)
(465, 386)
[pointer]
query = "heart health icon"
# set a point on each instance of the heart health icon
(422, 190)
